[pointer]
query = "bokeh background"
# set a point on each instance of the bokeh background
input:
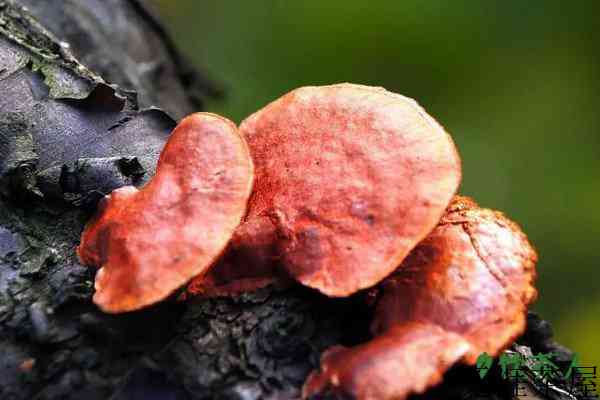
(517, 84)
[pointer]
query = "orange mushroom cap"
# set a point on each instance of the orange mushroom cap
(470, 282)
(407, 358)
(149, 242)
(352, 178)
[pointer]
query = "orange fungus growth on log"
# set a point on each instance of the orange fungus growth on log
(149, 242)
(467, 285)
(407, 358)
(473, 275)
(351, 177)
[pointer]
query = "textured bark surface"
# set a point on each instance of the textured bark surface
(125, 43)
(66, 138)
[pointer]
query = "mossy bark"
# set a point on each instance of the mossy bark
(70, 133)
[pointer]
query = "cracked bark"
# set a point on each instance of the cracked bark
(68, 135)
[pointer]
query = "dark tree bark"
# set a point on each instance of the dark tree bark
(70, 133)
(125, 43)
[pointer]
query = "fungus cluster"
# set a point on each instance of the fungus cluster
(354, 187)
(462, 291)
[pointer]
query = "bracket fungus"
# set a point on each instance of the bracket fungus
(463, 291)
(354, 186)
(349, 178)
(151, 241)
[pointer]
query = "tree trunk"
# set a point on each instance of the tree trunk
(68, 135)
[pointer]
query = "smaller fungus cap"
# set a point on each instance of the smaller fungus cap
(151, 241)
(352, 177)
(473, 275)
(467, 285)
(407, 358)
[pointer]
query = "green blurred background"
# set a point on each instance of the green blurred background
(517, 84)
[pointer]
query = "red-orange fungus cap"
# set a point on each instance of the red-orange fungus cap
(151, 241)
(407, 358)
(352, 178)
(467, 285)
